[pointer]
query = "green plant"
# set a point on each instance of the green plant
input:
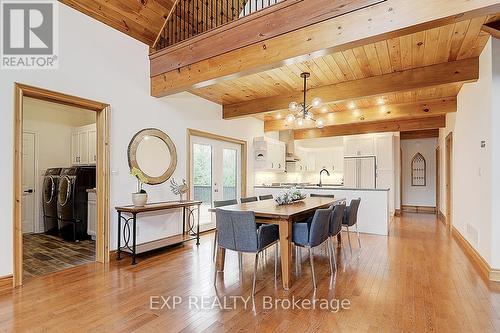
(141, 179)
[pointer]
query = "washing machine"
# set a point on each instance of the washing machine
(49, 200)
(72, 202)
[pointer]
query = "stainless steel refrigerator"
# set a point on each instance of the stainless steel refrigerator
(360, 172)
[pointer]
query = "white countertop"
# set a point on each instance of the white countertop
(315, 187)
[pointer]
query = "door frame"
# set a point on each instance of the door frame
(36, 217)
(102, 168)
(438, 181)
(449, 178)
(193, 132)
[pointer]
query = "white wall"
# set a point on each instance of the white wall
(419, 195)
(495, 154)
(472, 165)
(100, 63)
(52, 124)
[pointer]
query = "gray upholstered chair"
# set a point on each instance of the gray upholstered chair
(351, 219)
(312, 234)
(322, 196)
(238, 232)
(266, 197)
(249, 199)
(218, 204)
(336, 227)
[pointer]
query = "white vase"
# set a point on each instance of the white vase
(139, 199)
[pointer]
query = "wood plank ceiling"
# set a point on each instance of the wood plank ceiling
(140, 19)
(447, 43)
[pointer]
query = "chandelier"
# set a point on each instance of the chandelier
(301, 112)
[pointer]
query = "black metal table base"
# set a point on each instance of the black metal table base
(127, 232)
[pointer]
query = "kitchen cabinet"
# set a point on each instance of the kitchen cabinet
(84, 145)
(269, 154)
(331, 159)
(359, 146)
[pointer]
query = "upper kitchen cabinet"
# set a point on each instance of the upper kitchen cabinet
(359, 146)
(331, 159)
(84, 145)
(306, 162)
(269, 154)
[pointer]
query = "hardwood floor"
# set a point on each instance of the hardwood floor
(417, 279)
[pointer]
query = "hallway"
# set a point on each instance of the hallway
(417, 279)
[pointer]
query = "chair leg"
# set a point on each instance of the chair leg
(276, 263)
(334, 253)
(359, 240)
(296, 260)
(328, 244)
(255, 273)
(215, 268)
(312, 267)
(342, 246)
(240, 264)
(215, 245)
(349, 238)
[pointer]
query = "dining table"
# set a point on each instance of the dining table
(269, 212)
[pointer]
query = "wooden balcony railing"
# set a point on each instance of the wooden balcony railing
(189, 18)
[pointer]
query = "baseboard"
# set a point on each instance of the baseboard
(418, 209)
(6, 283)
(397, 212)
(442, 218)
(485, 269)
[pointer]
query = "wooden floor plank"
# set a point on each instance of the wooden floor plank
(418, 279)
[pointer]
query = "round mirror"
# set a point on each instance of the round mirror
(153, 152)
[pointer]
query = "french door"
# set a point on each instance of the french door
(215, 174)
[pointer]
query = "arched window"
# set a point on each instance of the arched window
(418, 170)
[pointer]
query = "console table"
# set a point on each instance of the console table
(128, 214)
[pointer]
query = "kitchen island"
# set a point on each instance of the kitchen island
(373, 215)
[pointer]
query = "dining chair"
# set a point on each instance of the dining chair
(218, 204)
(238, 232)
(314, 234)
(266, 197)
(249, 199)
(322, 196)
(336, 227)
(351, 219)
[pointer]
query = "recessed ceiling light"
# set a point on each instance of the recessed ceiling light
(278, 116)
(380, 101)
(351, 105)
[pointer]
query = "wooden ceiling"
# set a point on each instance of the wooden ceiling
(448, 43)
(140, 19)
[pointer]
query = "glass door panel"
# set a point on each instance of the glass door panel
(230, 174)
(202, 179)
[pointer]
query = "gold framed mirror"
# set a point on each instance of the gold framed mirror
(153, 152)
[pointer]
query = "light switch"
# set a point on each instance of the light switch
(483, 144)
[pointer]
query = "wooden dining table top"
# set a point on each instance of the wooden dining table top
(271, 210)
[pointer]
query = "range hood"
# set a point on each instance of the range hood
(288, 138)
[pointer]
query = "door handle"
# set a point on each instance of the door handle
(29, 191)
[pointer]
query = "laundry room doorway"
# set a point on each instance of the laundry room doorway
(61, 182)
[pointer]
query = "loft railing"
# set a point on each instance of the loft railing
(189, 18)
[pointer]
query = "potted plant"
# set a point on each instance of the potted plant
(140, 198)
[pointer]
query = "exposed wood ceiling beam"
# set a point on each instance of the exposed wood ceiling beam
(435, 75)
(285, 17)
(493, 28)
(423, 134)
(389, 19)
(379, 113)
(373, 127)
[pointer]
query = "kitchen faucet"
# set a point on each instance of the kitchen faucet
(321, 174)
